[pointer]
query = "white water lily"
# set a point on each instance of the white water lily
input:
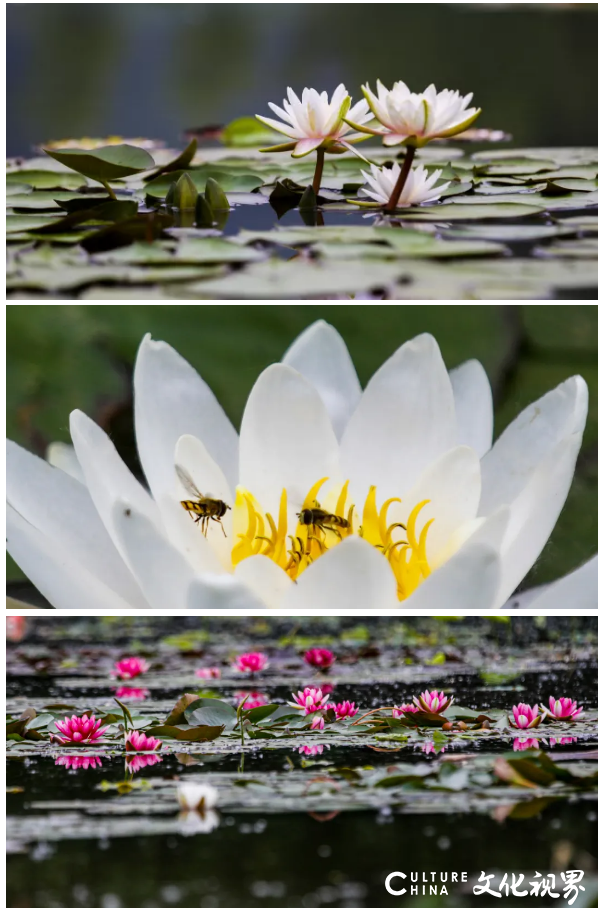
(428, 513)
(415, 118)
(418, 188)
(313, 121)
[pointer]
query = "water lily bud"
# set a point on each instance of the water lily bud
(169, 197)
(308, 198)
(204, 214)
(462, 726)
(447, 726)
(185, 193)
(215, 196)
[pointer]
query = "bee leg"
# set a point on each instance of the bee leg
(222, 527)
(334, 530)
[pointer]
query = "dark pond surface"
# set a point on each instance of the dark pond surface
(130, 851)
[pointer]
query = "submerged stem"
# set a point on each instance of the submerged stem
(109, 189)
(319, 169)
(403, 177)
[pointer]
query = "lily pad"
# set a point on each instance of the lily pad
(106, 163)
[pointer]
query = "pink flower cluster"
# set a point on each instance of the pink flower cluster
(309, 700)
(524, 717)
(321, 658)
(208, 673)
(135, 741)
(79, 730)
(128, 668)
(563, 709)
(344, 709)
(400, 710)
(251, 663)
(79, 762)
(254, 700)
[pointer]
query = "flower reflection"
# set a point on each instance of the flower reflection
(79, 762)
(134, 763)
(193, 822)
(316, 750)
(562, 741)
(525, 743)
(429, 747)
(132, 693)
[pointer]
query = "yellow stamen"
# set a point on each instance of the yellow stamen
(257, 533)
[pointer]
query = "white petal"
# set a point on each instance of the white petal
(306, 146)
(468, 581)
(162, 572)
(60, 507)
(265, 579)
(321, 356)
(63, 456)
(286, 439)
(576, 591)
(534, 514)
(107, 477)
(170, 400)
(50, 566)
(350, 576)
(474, 405)
(405, 419)
(452, 483)
(221, 592)
(507, 468)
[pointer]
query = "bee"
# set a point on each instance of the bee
(204, 507)
(320, 520)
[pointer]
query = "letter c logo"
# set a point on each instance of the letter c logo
(388, 883)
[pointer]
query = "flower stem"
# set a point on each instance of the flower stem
(319, 170)
(109, 189)
(403, 177)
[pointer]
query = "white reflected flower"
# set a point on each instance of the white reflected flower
(418, 188)
(313, 121)
(192, 823)
(423, 511)
(415, 118)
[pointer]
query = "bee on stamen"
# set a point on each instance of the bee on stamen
(319, 520)
(204, 507)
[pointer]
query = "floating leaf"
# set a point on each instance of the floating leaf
(200, 733)
(182, 161)
(106, 163)
(176, 716)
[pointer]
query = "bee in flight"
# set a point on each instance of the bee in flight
(320, 520)
(205, 508)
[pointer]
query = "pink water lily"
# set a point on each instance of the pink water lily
(316, 750)
(135, 763)
(254, 700)
(344, 709)
(128, 668)
(208, 673)
(133, 693)
(320, 657)
(525, 743)
(309, 700)
(79, 762)
(563, 709)
(251, 663)
(79, 730)
(399, 711)
(523, 716)
(433, 702)
(136, 741)
(317, 723)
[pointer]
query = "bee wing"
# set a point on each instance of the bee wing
(188, 484)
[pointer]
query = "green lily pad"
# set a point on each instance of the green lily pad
(472, 208)
(106, 163)
(46, 180)
(580, 247)
(228, 180)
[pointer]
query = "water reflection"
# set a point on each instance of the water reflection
(193, 822)
(79, 762)
(316, 750)
(133, 764)
(133, 693)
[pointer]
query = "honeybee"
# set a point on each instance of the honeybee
(205, 508)
(320, 520)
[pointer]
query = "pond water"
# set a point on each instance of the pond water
(304, 820)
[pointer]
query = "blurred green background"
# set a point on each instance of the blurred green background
(67, 356)
(155, 69)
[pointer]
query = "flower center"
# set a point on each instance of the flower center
(319, 529)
